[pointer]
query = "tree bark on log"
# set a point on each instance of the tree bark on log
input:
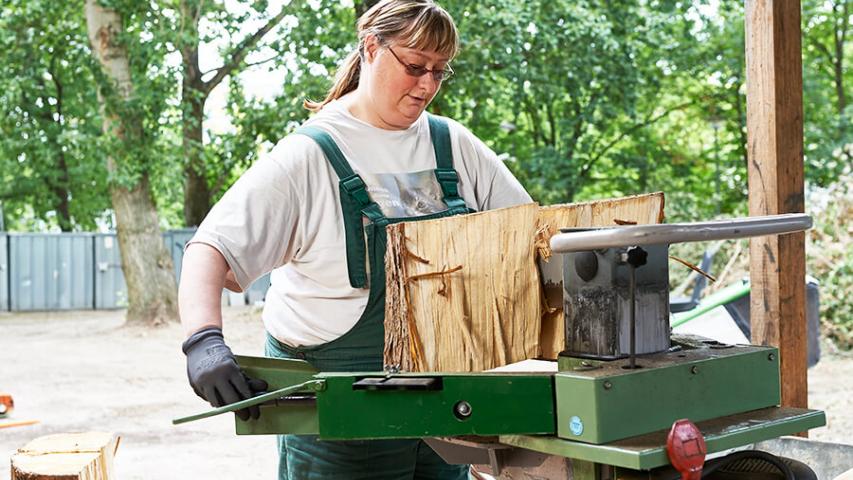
(71, 456)
(464, 293)
(147, 265)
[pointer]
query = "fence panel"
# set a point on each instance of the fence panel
(4, 272)
(79, 271)
(110, 288)
(51, 271)
(175, 241)
(257, 292)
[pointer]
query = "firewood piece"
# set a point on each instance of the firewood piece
(68, 456)
(462, 311)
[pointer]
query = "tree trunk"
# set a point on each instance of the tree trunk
(197, 199)
(60, 189)
(197, 192)
(839, 32)
(58, 184)
(147, 265)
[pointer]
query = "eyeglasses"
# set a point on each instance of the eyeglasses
(438, 75)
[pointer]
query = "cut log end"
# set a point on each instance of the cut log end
(70, 456)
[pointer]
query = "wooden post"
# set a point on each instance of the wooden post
(774, 97)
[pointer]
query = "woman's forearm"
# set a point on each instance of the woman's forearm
(203, 274)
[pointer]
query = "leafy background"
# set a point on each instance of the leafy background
(583, 99)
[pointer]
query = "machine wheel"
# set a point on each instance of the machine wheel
(756, 465)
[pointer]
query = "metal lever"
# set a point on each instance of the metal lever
(233, 407)
(609, 237)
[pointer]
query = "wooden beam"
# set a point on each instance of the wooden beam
(774, 96)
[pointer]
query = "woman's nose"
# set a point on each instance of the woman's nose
(429, 83)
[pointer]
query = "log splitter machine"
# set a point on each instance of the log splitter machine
(625, 400)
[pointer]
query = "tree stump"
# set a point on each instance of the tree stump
(464, 293)
(68, 456)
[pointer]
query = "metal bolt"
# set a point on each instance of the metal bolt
(608, 385)
(392, 368)
(771, 357)
(694, 369)
(462, 410)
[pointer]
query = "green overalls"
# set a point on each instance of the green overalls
(361, 348)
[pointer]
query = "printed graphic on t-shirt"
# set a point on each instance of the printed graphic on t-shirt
(405, 194)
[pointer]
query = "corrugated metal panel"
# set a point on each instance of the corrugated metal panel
(175, 241)
(4, 272)
(78, 271)
(110, 287)
(258, 291)
(51, 271)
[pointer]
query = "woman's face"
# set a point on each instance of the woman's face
(396, 98)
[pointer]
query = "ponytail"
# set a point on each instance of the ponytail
(346, 80)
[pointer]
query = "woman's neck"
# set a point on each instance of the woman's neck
(360, 105)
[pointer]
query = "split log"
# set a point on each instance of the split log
(464, 293)
(452, 286)
(69, 456)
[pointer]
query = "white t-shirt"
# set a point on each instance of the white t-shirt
(284, 214)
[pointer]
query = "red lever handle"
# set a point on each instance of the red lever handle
(686, 449)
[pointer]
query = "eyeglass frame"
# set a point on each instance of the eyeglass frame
(412, 69)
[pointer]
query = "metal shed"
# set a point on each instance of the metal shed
(51, 271)
(4, 273)
(110, 287)
(175, 241)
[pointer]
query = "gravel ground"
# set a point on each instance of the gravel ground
(82, 371)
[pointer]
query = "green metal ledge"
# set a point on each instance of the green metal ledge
(648, 451)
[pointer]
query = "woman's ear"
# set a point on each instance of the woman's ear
(371, 46)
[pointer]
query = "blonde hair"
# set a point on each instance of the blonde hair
(418, 24)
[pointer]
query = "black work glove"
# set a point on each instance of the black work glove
(214, 374)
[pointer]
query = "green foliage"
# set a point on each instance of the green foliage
(49, 125)
(146, 36)
(829, 257)
(827, 76)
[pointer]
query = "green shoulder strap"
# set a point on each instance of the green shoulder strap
(355, 203)
(446, 175)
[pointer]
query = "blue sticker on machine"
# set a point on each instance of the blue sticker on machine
(576, 425)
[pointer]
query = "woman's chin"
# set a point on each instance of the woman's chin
(411, 112)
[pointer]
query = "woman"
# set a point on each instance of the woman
(313, 212)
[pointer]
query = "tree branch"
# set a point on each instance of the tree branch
(239, 53)
(255, 64)
(589, 109)
(822, 49)
(650, 120)
(845, 20)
